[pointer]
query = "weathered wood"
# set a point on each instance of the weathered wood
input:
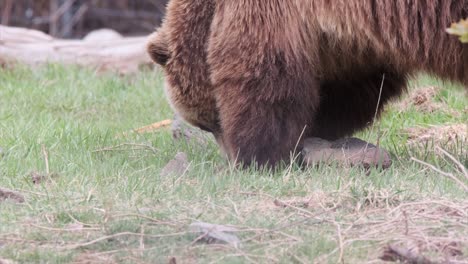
(34, 47)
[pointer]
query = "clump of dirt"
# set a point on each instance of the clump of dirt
(6, 194)
(424, 100)
(447, 135)
(38, 178)
(176, 166)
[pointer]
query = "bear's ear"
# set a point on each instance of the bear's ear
(157, 48)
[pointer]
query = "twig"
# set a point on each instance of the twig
(458, 163)
(380, 96)
(297, 259)
(65, 229)
(406, 223)
(294, 156)
(449, 175)
(153, 127)
(97, 240)
(198, 238)
(376, 110)
(142, 238)
(340, 242)
(280, 203)
(119, 148)
(151, 219)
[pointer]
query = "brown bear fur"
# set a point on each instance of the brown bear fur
(181, 46)
(263, 75)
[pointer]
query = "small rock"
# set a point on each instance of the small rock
(6, 194)
(212, 234)
(176, 166)
(346, 152)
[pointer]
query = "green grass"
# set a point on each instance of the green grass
(71, 112)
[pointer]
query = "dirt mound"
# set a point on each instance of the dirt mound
(447, 135)
(424, 100)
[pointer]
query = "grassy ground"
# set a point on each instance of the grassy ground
(95, 196)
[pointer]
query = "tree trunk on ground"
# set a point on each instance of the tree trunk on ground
(104, 51)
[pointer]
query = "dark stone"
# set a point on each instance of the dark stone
(346, 152)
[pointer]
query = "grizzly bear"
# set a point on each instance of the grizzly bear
(263, 75)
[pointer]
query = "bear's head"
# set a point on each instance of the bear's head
(187, 84)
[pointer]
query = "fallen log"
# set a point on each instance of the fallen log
(105, 50)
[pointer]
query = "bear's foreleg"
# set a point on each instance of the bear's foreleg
(265, 117)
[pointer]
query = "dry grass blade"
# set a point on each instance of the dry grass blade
(77, 228)
(280, 203)
(148, 218)
(449, 175)
(103, 238)
(127, 147)
(458, 163)
(46, 158)
(340, 242)
(153, 127)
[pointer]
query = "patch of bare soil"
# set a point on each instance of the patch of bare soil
(6, 194)
(423, 99)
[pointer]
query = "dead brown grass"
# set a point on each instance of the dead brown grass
(447, 136)
(424, 100)
(380, 222)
